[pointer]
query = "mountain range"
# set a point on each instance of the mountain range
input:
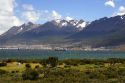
(104, 32)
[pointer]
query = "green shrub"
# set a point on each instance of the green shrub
(53, 61)
(30, 74)
(43, 62)
(121, 71)
(37, 67)
(111, 72)
(28, 65)
(3, 64)
(2, 72)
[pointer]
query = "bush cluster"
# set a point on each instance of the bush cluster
(3, 64)
(29, 73)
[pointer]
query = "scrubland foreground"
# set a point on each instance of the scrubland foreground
(52, 70)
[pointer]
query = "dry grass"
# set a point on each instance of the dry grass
(15, 66)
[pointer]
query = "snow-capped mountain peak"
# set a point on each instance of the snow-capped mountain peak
(64, 24)
(79, 24)
(73, 22)
(57, 21)
(19, 30)
(82, 25)
(122, 17)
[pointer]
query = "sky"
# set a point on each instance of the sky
(17, 12)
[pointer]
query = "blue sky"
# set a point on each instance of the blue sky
(40, 11)
(81, 9)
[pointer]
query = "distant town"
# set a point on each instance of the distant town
(56, 48)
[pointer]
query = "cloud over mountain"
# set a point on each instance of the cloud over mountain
(34, 15)
(68, 18)
(30, 14)
(121, 10)
(110, 3)
(56, 15)
(7, 11)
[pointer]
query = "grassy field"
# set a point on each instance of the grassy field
(67, 71)
(16, 66)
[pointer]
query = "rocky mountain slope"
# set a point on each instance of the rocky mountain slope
(103, 32)
(51, 32)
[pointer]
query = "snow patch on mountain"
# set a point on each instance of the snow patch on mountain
(57, 21)
(82, 25)
(20, 29)
(64, 24)
(79, 24)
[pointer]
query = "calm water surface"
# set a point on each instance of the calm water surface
(40, 54)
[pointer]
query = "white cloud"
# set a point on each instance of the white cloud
(55, 15)
(7, 17)
(46, 15)
(34, 15)
(121, 10)
(27, 7)
(110, 3)
(68, 18)
(30, 14)
(16, 21)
